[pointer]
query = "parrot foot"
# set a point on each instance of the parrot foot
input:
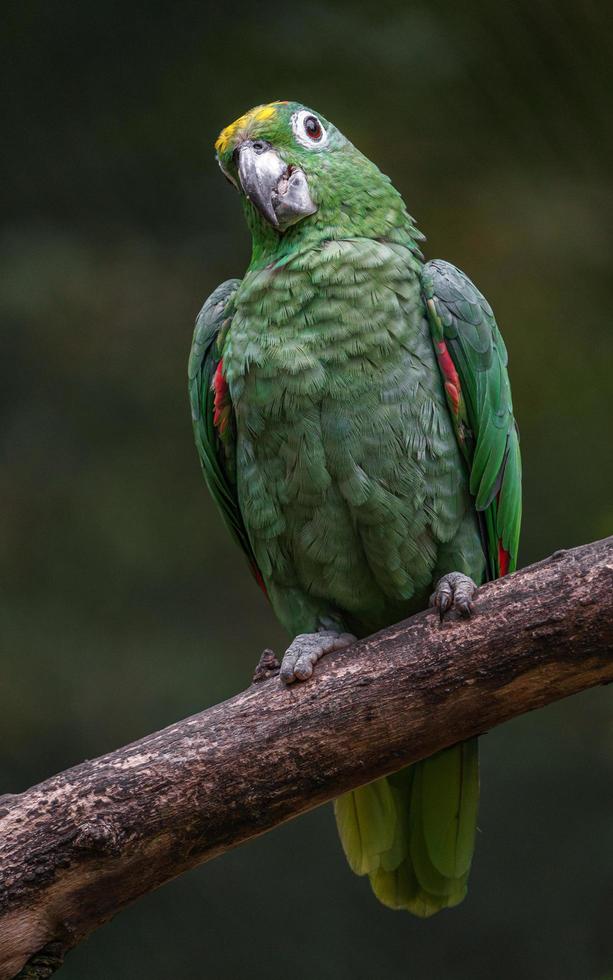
(306, 649)
(454, 591)
(268, 666)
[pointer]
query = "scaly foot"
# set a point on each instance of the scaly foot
(306, 649)
(267, 667)
(454, 591)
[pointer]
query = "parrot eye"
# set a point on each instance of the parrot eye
(312, 128)
(308, 130)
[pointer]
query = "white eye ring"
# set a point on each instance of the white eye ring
(298, 125)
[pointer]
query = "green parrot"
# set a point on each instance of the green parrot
(353, 417)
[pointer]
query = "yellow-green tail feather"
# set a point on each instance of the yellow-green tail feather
(413, 833)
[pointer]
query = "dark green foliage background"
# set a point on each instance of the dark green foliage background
(124, 605)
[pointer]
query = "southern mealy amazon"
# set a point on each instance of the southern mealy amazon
(353, 418)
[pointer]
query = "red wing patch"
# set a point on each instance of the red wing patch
(221, 404)
(259, 579)
(451, 380)
(503, 558)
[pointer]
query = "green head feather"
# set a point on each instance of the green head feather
(350, 196)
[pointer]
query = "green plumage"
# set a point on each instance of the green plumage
(346, 470)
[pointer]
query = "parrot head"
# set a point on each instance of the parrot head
(292, 166)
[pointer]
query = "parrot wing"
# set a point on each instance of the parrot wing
(473, 362)
(212, 412)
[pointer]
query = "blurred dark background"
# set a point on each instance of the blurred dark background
(124, 606)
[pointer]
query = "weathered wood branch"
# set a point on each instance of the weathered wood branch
(80, 846)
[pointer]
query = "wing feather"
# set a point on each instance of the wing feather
(212, 412)
(472, 358)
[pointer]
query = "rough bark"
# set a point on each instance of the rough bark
(77, 848)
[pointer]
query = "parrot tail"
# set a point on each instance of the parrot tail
(413, 833)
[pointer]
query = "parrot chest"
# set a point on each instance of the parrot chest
(348, 472)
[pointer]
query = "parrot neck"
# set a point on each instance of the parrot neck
(374, 209)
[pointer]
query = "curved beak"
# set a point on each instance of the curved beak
(279, 192)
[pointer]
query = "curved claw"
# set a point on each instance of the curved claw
(454, 591)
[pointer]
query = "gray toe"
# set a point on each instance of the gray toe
(454, 591)
(306, 649)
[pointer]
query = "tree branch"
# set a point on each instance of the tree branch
(77, 848)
